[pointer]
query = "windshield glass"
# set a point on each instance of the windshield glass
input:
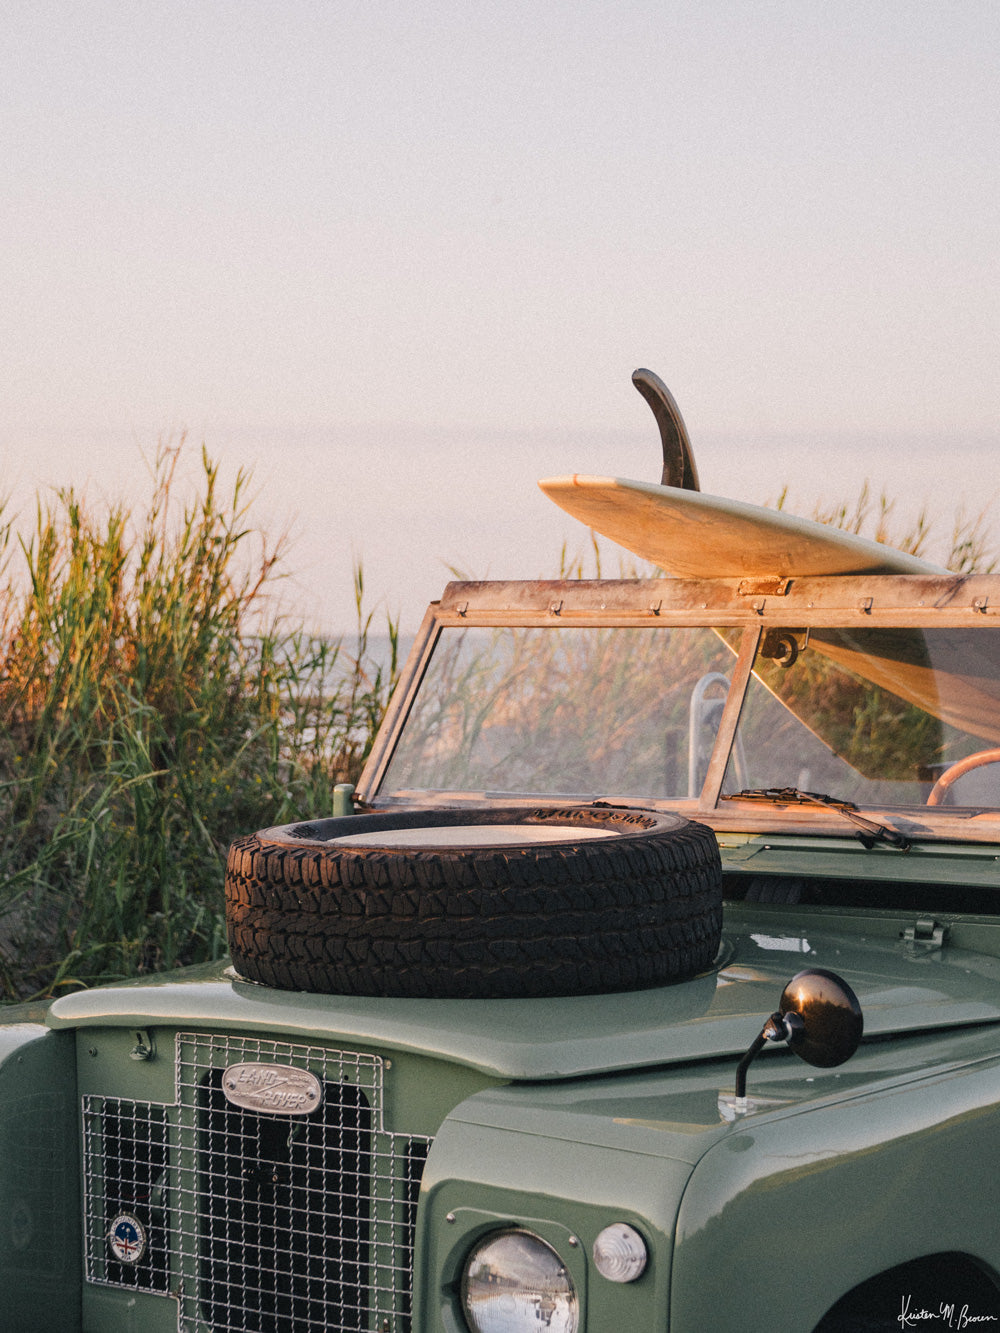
(576, 712)
(876, 716)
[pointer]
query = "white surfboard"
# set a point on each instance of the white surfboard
(693, 535)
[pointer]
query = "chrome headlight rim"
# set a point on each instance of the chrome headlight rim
(544, 1248)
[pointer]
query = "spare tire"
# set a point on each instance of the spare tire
(476, 903)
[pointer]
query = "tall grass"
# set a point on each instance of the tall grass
(152, 708)
(971, 547)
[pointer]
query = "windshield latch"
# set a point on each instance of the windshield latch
(766, 587)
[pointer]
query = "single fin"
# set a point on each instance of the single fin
(678, 461)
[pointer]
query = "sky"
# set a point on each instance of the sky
(400, 260)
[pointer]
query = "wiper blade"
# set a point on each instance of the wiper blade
(869, 831)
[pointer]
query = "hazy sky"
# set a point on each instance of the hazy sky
(402, 259)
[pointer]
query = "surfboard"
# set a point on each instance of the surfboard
(694, 535)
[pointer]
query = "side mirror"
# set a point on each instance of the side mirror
(818, 1016)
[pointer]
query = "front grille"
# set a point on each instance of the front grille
(257, 1222)
(128, 1175)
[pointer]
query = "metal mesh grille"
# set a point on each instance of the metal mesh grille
(125, 1165)
(276, 1223)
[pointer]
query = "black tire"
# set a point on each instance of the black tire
(579, 916)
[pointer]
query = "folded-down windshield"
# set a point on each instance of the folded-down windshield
(877, 716)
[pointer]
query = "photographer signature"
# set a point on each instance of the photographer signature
(949, 1315)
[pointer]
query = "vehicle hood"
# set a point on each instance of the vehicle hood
(903, 988)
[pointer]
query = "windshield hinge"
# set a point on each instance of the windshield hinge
(925, 932)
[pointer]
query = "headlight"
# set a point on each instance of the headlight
(513, 1282)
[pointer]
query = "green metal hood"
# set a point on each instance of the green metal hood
(903, 987)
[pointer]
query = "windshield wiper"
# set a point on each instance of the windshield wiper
(869, 832)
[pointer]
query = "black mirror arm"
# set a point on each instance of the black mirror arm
(779, 1027)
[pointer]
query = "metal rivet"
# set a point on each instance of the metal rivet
(92, 1051)
(449, 1217)
(573, 1242)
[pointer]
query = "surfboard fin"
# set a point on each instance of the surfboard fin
(678, 461)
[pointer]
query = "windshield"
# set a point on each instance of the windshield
(878, 716)
(579, 712)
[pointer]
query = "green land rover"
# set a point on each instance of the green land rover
(650, 980)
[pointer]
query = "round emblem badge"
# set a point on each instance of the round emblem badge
(127, 1238)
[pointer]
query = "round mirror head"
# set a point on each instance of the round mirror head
(831, 1017)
